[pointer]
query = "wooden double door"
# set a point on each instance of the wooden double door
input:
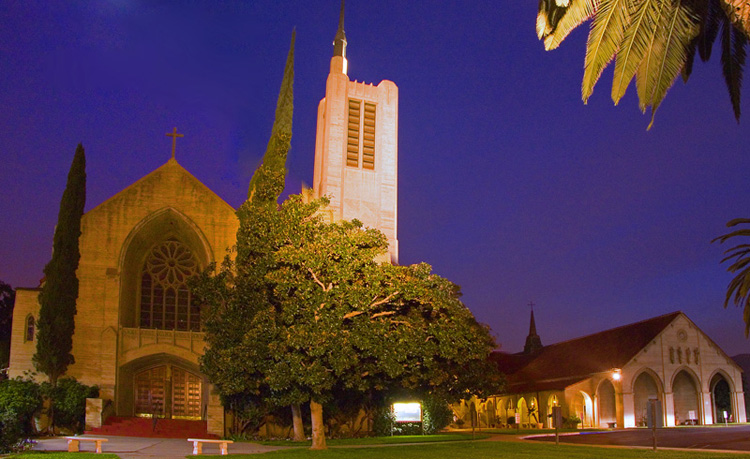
(168, 391)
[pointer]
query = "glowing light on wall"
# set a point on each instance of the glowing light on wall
(616, 374)
(408, 412)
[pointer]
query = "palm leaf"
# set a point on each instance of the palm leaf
(739, 13)
(732, 62)
(681, 26)
(604, 41)
(712, 15)
(638, 36)
(738, 289)
(555, 29)
(643, 77)
(687, 69)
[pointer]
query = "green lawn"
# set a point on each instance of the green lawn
(484, 450)
(396, 439)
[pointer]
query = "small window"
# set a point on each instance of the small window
(30, 328)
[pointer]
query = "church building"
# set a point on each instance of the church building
(138, 329)
(606, 380)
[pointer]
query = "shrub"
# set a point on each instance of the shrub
(383, 421)
(437, 414)
(19, 399)
(69, 402)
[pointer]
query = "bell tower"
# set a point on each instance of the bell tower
(356, 148)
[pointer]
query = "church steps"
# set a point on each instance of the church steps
(144, 427)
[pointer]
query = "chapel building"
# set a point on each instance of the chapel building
(607, 379)
(137, 328)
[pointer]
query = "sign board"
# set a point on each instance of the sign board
(557, 417)
(691, 415)
(407, 412)
(655, 416)
(518, 418)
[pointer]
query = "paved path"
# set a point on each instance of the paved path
(732, 438)
(140, 448)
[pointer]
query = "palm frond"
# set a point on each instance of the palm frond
(738, 289)
(733, 44)
(681, 27)
(604, 41)
(554, 29)
(639, 35)
(687, 69)
(643, 77)
(712, 15)
(739, 13)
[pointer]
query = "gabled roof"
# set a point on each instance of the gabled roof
(559, 365)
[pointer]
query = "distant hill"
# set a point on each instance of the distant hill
(743, 360)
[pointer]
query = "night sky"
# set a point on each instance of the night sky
(508, 184)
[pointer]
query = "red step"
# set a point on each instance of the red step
(144, 427)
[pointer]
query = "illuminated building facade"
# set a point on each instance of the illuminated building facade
(138, 332)
(606, 379)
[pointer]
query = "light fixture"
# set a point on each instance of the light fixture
(616, 374)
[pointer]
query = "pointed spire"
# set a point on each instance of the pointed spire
(267, 183)
(532, 325)
(533, 341)
(339, 42)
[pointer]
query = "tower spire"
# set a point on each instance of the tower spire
(339, 42)
(533, 341)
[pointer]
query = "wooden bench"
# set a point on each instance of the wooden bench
(73, 443)
(198, 445)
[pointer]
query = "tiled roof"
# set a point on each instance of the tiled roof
(559, 365)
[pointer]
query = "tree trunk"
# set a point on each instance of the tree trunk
(299, 429)
(318, 429)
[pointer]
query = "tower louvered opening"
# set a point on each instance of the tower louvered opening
(360, 145)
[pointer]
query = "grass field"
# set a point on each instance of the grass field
(382, 440)
(484, 450)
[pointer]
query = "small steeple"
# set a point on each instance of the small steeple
(533, 341)
(339, 42)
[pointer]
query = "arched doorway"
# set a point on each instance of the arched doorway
(491, 414)
(510, 412)
(523, 411)
(584, 408)
(605, 397)
(168, 391)
(645, 388)
(721, 396)
(162, 384)
(552, 402)
(686, 402)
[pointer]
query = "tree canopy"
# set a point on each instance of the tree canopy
(327, 317)
(60, 290)
(653, 41)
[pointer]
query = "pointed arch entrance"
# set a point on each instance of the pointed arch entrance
(583, 408)
(686, 400)
(162, 384)
(607, 405)
(721, 399)
(646, 387)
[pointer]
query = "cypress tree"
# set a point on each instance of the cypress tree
(267, 183)
(60, 291)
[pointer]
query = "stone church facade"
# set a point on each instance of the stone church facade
(607, 379)
(138, 332)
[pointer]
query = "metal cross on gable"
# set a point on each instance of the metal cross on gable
(174, 136)
(531, 305)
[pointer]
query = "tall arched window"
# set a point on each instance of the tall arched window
(30, 328)
(166, 302)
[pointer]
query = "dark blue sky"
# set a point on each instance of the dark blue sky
(508, 184)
